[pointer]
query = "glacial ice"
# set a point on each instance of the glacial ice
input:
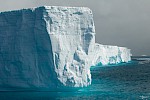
(105, 54)
(50, 47)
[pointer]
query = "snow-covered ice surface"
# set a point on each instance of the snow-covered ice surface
(50, 47)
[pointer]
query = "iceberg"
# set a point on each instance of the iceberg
(106, 54)
(51, 47)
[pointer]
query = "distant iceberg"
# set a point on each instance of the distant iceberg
(50, 47)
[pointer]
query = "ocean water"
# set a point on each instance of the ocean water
(130, 81)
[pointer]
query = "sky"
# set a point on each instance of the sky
(118, 22)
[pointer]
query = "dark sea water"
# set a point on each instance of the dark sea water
(129, 81)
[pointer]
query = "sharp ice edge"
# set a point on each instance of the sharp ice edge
(50, 47)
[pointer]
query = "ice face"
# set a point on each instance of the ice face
(105, 54)
(72, 33)
(50, 47)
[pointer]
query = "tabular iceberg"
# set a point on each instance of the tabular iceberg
(50, 47)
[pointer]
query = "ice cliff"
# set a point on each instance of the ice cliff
(50, 47)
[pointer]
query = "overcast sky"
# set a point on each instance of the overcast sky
(118, 22)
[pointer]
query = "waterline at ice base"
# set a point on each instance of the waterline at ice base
(49, 48)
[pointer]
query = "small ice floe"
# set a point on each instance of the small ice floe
(144, 55)
(144, 97)
(144, 62)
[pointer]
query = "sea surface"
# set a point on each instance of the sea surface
(126, 81)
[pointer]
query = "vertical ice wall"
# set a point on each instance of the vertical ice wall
(26, 56)
(72, 34)
(50, 47)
